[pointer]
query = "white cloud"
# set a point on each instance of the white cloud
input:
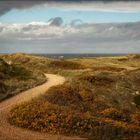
(88, 38)
(34, 30)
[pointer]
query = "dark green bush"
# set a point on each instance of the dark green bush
(137, 100)
(17, 72)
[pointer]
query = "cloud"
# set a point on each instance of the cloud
(57, 21)
(94, 32)
(6, 6)
(41, 37)
(4, 10)
(76, 22)
(103, 5)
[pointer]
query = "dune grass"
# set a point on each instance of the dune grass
(15, 78)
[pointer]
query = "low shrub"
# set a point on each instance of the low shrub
(98, 80)
(115, 114)
(135, 119)
(108, 68)
(3, 88)
(137, 100)
(63, 95)
(17, 72)
(39, 115)
(47, 117)
(63, 64)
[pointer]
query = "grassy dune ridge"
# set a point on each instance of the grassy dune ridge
(99, 101)
(20, 71)
(15, 77)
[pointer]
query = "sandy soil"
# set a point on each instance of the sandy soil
(9, 132)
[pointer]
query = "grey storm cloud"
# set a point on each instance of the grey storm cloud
(4, 10)
(57, 21)
(40, 37)
(107, 5)
(7, 5)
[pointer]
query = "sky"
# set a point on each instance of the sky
(69, 27)
(90, 16)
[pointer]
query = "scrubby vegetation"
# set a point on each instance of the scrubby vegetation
(14, 71)
(100, 99)
(108, 68)
(137, 100)
(21, 71)
(93, 105)
(63, 64)
(15, 78)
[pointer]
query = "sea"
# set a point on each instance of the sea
(68, 56)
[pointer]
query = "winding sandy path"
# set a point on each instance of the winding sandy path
(9, 132)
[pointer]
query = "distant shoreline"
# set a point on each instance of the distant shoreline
(77, 55)
(73, 55)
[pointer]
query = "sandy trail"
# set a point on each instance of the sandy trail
(9, 132)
